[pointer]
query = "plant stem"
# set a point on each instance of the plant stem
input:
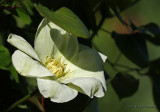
(43, 103)
(106, 31)
(20, 101)
(97, 28)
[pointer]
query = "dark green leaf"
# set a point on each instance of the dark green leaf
(155, 40)
(154, 66)
(132, 25)
(28, 4)
(5, 62)
(125, 85)
(14, 73)
(23, 15)
(117, 13)
(1, 38)
(152, 28)
(156, 88)
(133, 47)
(78, 104)
(94, 106)
(31, 83)
(5, 58)
(106, 11)
(121, 4)
(66, 19)
(86, 13)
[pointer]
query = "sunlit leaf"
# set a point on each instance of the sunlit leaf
(66, 19)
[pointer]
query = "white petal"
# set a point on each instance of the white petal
(26, 66)
(43, 42)
(90, 86)
(87, 59)
(55, 91)
(50, 39)
(22, 45)
(81, 73)
(103, 56)
(66, 43)
(86, 63)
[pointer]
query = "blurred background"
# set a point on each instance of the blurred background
(126, 31)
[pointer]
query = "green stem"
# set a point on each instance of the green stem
(20, 101)
(97, 28)
(106, 31)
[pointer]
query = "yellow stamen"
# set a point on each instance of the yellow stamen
(56, 66)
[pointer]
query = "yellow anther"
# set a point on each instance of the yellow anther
(56, 66)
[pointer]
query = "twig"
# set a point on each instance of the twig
(20, 101)
(97, 28)
(105, 30)
(124, 66)
(43, 103)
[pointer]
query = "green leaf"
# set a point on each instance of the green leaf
(156, 87)
(152, 28)
(29, 5)
(5, 58)
(94, 106)
(31, 83)
(121, 4)
(133, 47)
(143, 97)
(14, 73)
(66, 19)
(1, 38)
(125, 85)
(23, 16)
(154, 66)
(78, 104)
(5, 63)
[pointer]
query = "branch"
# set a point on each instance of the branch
(20, 101)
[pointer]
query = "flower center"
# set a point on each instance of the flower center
(56, 66)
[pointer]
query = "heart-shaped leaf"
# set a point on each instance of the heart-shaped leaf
(133, 47)
(125, 85)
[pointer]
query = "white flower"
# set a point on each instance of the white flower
(61, 65)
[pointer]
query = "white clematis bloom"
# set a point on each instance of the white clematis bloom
(61, 65)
